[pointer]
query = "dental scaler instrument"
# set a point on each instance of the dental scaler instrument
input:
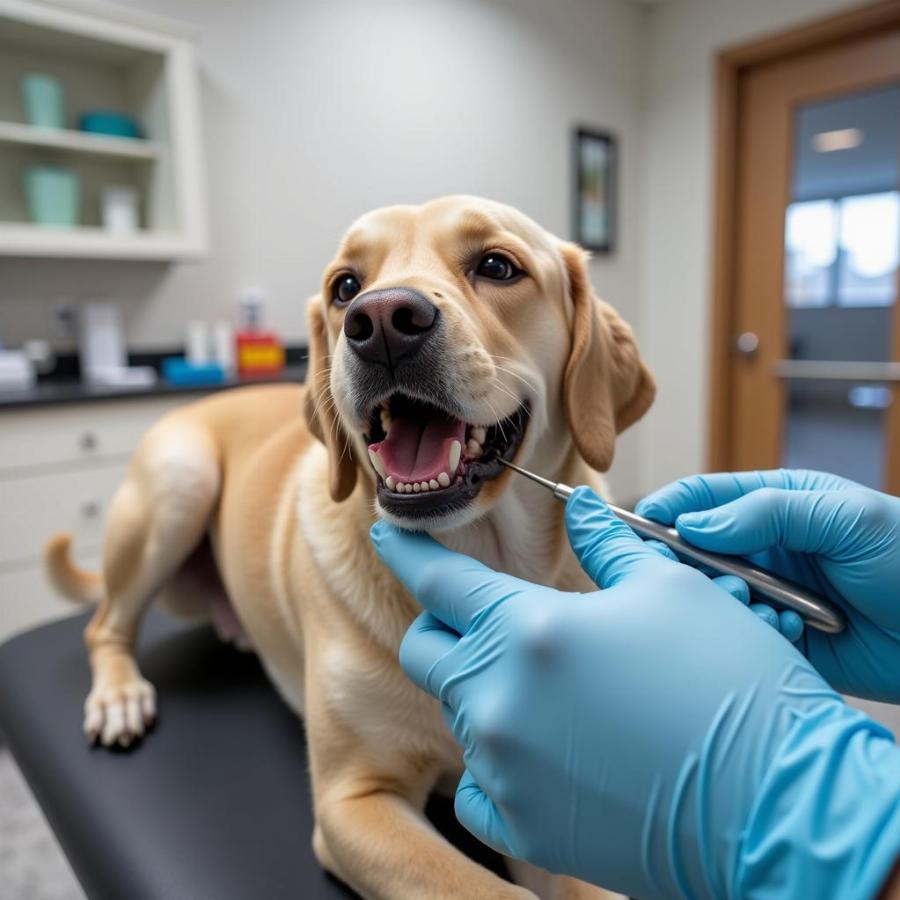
(813, 609)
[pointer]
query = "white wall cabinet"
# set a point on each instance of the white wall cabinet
(59, 468)
(106, 57)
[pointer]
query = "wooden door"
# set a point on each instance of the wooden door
(807, 340)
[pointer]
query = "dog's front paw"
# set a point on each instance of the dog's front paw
(119, 716)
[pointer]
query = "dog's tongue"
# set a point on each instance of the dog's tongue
(419, 450)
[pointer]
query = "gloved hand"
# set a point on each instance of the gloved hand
(654, 737)
(786, 621)
(825, 532)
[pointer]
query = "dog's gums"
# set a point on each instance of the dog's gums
(429, 462)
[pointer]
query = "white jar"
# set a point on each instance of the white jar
(120, 209)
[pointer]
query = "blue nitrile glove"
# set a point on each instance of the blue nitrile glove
(654, 737)
(823, 531)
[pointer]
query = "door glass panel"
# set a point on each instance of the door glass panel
(842, 242)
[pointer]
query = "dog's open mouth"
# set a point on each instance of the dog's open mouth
(429, 462)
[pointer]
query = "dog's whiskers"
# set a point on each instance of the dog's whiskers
(509, 371)
(497, 417)
(508, 392)
(323, 405)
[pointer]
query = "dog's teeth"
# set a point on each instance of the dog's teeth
(455, 451)
(385, 420)
(443, 479)
(401, 487)
(433, 484)
(473, 447)
(389, 481)
(479, 434)
(416, 487)
(377, 464)
(423, 485)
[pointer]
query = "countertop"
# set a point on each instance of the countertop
(53, 392)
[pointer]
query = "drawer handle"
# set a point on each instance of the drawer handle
(88, 441)
(90, 509)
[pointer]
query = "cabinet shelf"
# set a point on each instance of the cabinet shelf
(77, 141)
(93, 243)
(105, 56)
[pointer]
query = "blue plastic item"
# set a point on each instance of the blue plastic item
(42, 100)
(655, 737)
(817, 529)
(54, 196)
(177, 370)
(104, 121)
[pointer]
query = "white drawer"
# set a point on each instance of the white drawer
(57, 435)
(33, 507)
(27, 599)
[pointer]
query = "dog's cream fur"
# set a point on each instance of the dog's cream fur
(242, 499)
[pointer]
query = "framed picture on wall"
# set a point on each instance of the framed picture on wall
(594, 206)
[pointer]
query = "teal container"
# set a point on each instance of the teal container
(105, 121)
(53, 195)
(42, 99)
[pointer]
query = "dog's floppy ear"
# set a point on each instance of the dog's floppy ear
(318, 406)
(606, 386)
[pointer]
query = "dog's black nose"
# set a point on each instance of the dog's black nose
(387, 325)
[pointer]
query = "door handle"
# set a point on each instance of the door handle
(836, 370)
(746, 343)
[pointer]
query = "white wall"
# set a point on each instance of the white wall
(316, 112)
(683, 37)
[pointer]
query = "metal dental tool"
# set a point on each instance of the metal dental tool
(813, 609)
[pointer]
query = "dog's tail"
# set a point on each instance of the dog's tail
(73, 582)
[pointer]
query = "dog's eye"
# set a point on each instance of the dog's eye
(497, 267)
(345, 288)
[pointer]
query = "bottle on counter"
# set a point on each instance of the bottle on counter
(259, 352)
(223, 346)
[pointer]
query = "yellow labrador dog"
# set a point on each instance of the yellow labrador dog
(446, 336)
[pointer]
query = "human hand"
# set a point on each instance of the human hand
(655, 736)
(825, 532)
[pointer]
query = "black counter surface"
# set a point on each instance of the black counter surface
(71, 390)
(65, 386)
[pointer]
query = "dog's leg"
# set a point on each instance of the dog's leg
(555, 887)
(156, 519)
(379, 842)
(371, 831)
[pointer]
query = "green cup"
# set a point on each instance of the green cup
(42, 99)
(53, 195)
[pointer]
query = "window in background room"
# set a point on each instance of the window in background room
(810, 252)
(843, 252)
(869, 248)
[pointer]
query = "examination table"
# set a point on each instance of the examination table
(214, 804)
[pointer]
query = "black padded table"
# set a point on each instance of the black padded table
(214, 804)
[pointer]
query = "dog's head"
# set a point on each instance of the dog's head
(449, 335)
